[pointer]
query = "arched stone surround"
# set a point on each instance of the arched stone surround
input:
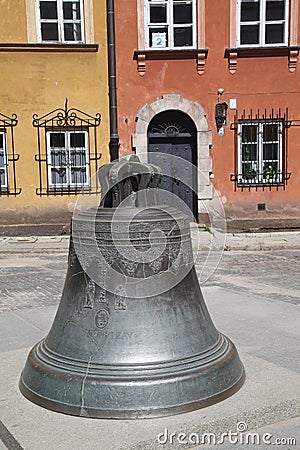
(204, 135)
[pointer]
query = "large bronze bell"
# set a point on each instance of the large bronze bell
(132, 337)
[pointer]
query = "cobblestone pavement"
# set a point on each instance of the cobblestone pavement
(31, 281)
(273, 274)
(36, 280)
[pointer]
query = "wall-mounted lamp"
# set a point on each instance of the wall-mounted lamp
(221, 111)
(220, 92)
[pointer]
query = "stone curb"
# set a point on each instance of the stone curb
(35, 244)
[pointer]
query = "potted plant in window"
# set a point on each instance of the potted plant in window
(270, 173)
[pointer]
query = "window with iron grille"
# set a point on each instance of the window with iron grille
(170, 24)
(8, 157)
(260, 152)
(60, 20)
(68, 158)
(68, 154)
(262, 23)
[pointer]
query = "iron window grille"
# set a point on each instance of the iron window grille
(60, 21)
(261, 151)
(262, 23)
(67, 152)
(8, 157)
(170, 24)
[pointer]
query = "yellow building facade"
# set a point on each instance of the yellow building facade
(53, 89)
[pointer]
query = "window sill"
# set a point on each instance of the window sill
(199, 54)
(51, 47)
(232, 54)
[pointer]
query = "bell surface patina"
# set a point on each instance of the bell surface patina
(132, 337)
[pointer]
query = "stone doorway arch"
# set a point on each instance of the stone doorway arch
(204, 136)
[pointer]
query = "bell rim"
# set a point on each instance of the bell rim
(124, 414)
(100, 404)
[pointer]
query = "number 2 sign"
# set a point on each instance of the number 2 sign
(158, 40)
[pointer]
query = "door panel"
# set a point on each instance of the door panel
(179, 177)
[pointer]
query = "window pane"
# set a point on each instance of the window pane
(1, 141)
(2, 178)
(183, 37)
(158, 37)
(250, 34)
(57, 140)
(270, 151)
(183, 13)
(249, 152)
(249, 170)
(72, 31)
(71, 10)
(158, 14)
(275, 10)
(78, 158)
(58, 158)
(49, 31)
(250, 11)
(249, 133)
(2, 159)
(270, 132)
(78, 176)
(48, 10)
(274, 33)
(58, 176)
(270, 171)
(77, 140)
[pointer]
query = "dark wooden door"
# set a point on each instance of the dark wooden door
(180, 176)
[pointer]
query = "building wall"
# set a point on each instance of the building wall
(37, 80)
(259, 82)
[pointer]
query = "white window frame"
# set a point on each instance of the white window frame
(262, 26)
(68, 184)
(60, 21)
(169, 24)
(4, 167)
(259, 167)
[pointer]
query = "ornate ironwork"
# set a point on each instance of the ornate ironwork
(169, 128)
(171, 124)
(269, 178)
(262, 116)
(7, 125)
(60, 120)
(67, 117)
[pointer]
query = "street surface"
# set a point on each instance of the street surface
(273, 274)
(36, 280)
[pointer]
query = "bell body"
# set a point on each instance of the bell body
(132, 337)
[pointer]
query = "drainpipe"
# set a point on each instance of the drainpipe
(112, 87)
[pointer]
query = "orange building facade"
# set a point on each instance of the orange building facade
(217, 84)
